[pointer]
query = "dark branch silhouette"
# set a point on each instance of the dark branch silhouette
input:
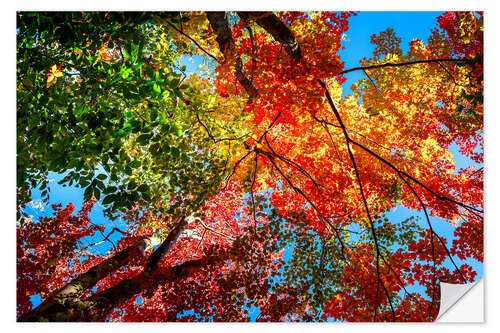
(225, 40)
(360, 184)
(392, 64)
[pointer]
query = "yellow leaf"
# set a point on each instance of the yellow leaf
(53, 74)
(51, 79)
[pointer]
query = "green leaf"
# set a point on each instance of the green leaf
(175, 130)
(165, 128)
(27, 82)
(143, 188)
(174, 83)
(155, 148)
(110, 189)
(132, 185)
(135, 164)
(109, 199)
(146, 196)
(101, 176)
(125, 73)
(143, 138)
(119, 133)
(156, 89)
(126, 126)
(88, 193)
(82, 110)
(174, 151)
(97, 193)
(99, 184)
(126, 54)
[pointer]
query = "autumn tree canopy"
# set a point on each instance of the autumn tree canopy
(253, 185)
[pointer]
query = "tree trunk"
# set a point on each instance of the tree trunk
(65, 305)
(219, 24)
(101, 304)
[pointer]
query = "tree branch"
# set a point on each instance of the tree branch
(280, 32)
(167, 244)
(473, 210)
(191, 39)
(360, 184)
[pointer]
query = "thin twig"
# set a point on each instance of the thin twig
(360, 184)
(391, 64)
(253, 198)
(431, 229)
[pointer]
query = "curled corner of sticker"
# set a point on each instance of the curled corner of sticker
(461, 303)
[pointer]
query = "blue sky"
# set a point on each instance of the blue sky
(407, 25)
